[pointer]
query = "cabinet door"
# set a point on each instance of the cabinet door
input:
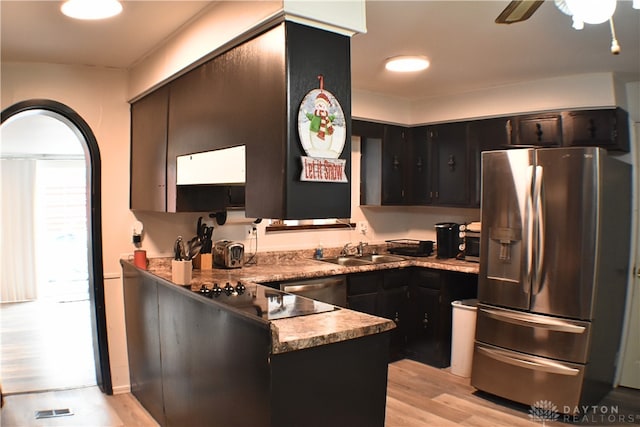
(365, 303)
(371, 135)
(484, 135)
(601, 128)
(539, 131)
(393, 305)
(393, 165)
(148, 176)
(425, 343)
(143, 340)
(419, 169)
(448, 144)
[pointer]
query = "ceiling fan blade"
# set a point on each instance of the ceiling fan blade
(518, 10)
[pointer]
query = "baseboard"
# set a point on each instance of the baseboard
(123, 389)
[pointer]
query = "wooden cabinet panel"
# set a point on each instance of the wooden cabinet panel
(148, 174)
(143, 341)
(607, 128)
(484, 135)
(543, 130)
(394, 165)
(365, 303)
(424, 343)
(450, 165)
(419, 168)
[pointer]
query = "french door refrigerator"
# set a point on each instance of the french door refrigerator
(554, 262)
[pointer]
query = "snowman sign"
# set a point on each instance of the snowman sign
(322, 130)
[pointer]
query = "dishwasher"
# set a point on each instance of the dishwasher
(331, 290)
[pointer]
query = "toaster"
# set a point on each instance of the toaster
(228, 254)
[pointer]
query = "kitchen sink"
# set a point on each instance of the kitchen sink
(347, 261)
(381, 259)
(352, 260)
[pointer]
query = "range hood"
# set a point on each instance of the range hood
(211, 180)
(226, 166)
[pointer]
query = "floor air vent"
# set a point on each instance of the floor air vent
(52, 413)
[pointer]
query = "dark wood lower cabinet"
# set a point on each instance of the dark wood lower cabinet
(195, 363)
(331, 385)
(143, 340)
(419, 301)
(431, 294)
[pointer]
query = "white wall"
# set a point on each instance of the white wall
(99, 96)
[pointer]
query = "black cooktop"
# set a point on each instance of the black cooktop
(262, 301)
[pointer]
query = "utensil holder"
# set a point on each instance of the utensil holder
(181, 272)
(203, 261)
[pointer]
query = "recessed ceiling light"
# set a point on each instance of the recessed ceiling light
(404, 64)
(91, 9)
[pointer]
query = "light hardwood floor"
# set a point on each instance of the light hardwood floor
(418, 395)
(46, 345)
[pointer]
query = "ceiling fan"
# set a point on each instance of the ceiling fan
(518, 10)
(581, 11)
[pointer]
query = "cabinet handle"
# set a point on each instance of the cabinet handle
(592, 128)
(396, 162)
(539, 132)
(507, 127)
(452, 163)
(419, 163)
(437, 194)
(425, 321)
(396, 318)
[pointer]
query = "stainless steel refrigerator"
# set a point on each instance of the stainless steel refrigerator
(554, 263)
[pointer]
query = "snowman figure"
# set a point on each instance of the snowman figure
(321, 123)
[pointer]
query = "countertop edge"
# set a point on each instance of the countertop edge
(294, 333)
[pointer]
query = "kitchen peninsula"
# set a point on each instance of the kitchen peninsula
(195, 361)
(192, 359)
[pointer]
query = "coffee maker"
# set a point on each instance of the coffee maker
(448, 239)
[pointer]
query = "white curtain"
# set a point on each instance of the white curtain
(17, 250)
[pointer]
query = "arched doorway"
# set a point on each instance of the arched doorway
(94, 226)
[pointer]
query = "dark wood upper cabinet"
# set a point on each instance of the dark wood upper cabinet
(540, 130)
(450, 165)
(250, 95)
(607, 128)
(484, 135)
(441, 164)
(149, 152)
(394, 165)
(419, 167)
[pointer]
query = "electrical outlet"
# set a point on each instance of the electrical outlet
(362, 227)
(251, 230)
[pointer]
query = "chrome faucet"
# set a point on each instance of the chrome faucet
(361, 247)
(345, 249)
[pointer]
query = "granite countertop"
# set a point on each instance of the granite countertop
(295, 265)
(296, 333)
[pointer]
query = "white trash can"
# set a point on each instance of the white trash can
(463, 332)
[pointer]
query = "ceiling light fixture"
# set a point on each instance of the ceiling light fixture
(592, 11)
(91, 9)
(588, 11)
(405, 64)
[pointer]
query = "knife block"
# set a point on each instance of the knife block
(181, 272)
(203, 262)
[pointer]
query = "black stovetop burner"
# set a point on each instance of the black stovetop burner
(262, 301)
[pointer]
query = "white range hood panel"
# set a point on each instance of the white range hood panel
(225, 166)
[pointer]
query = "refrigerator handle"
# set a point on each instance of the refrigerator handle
(538, 231)
(527, 238)
(534, 363)
(521, 319)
